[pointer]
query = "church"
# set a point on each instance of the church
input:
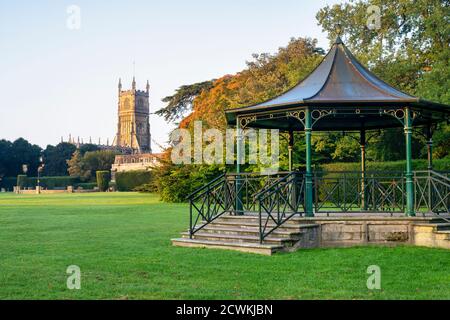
(133, 127)
(133, 130)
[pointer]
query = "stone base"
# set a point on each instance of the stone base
(241, 233)
(366, 230)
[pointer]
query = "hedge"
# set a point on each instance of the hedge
(45, 182)
(103, 178)
(438, 165)
(8, 183)
(85, 185)
(22, 181)
(127, 181)
(53, 182)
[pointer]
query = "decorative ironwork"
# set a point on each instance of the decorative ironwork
(209, 203)
(346, 192)
(278, 198)
(280, 202)
(432, 192)
(318, 114)
(246, 120)
(298, 114)
(218, 197)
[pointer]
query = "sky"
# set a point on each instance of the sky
(58, 77)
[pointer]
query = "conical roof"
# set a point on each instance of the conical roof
(340, 77)
(341, 81)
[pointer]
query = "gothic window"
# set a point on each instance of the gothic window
(126, 104)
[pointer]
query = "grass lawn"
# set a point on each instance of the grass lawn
(121, 242)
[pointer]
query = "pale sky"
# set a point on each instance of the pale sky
(55, 81)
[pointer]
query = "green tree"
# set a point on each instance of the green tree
(85, 166)
(6, 158)
(22, 152)
(74, 165)
(181, 102)
(88, 147)
(409, 51)
(56, 158)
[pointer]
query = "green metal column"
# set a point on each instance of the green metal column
(293, 187)
(362, 144)
(430, 147)
(239, 137)
(308, 181)
(409, 168)
(290, 147)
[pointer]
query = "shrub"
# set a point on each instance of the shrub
(52, 182)
(176, 182)
(420, 164)
(146, 188)
(8, 183)
(103, 178)
(127, 181)
(22, 181)
(85, 185)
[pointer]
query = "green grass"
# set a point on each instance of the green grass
(121, 242)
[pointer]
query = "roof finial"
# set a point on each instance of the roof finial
(339, 32)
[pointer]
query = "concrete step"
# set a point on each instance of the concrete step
(255, 219)
(239, 238)
(250, 231)
(287, 226)
(435, 226)
(443, 226)
(265, 249)
(443, 235)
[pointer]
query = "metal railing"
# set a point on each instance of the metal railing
(349, 191)
(228, 193)
(432, 192)
(279, 202)
(277, 198)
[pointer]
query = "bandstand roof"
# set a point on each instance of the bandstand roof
(343, 95)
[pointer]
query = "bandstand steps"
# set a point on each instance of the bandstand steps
(242, 233)
(249, 231)
(432, 234)
(200, 235)
(265, 249)
(443, 226)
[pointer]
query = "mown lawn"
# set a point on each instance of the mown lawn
(121, 242)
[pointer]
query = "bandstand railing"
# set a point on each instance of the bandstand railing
(432, 192)
(228, 193)
(277, 198)
(356, 191)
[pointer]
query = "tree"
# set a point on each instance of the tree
(88, 147)
(5, 158)
(22, 152)
(56, 157)
(74, 165)
(181, 102)
(410, 50)
(92, 161)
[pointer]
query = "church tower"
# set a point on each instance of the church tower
(133, 128)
